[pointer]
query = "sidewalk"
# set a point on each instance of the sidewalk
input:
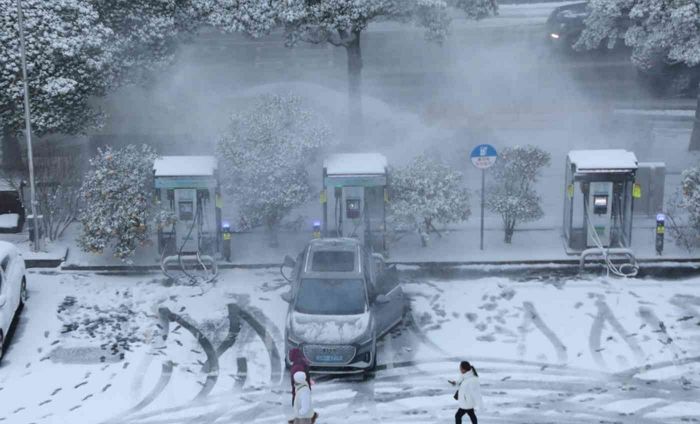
(458, 246)
(528, 247)
(51, 254)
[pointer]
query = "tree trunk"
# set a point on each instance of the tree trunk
(273, 234)
(509, 229)
(11, 151)
(509, 236)
(354, 85)
(424, 237)
(695, 135)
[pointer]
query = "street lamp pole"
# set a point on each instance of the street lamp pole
(28, 124)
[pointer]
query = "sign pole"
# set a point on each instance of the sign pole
(28, 130)
(483, 188)
(483, 157)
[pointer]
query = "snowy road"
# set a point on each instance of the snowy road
(128, 349)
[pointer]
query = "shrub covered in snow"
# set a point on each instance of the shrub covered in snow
(512, 194)
(683, 210)
(264, 154)
(424, 193)
(117, 198)
(58, 178)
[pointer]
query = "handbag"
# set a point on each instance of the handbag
(456, 396)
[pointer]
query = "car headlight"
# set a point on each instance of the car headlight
(368, 336)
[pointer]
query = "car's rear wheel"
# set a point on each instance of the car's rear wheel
(23, 296)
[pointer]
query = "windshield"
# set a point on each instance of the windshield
(330, 296)
(333, 261)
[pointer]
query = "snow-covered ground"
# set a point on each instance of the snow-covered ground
(93, 348)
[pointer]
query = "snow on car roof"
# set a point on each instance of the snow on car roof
(355, 164)
(184, 166)
(344, 243)
(6, 186)
(602, 160)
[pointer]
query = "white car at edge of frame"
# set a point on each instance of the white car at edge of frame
(13, 288)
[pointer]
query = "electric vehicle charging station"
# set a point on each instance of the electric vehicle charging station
(189, 187)
(599, 199)
(598, 204)
(354, 198)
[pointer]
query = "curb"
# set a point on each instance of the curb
(146, 268)
(537, 263)
(48, 262)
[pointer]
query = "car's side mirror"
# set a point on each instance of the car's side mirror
(381, 299)
(287, 296)
(289, 262)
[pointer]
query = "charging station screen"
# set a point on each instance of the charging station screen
(600, 204)
(186, 211)
(353, 208)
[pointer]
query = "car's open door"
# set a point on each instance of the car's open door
(389, 302)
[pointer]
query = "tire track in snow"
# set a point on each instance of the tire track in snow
(648, 315)
(260, 324)
(533, 316)
(604, 315)
(234, 329)
(166, 317)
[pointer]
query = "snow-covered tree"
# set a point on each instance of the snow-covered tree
(424, 193)
(683, 210)
(660, 32)
(339, 23)
(264, 153)
(117, 201)
(66, 63)
(512, 194)
(78, 50)
(144, 35)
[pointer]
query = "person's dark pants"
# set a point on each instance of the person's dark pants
(462, 412)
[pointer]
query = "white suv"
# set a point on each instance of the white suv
(13, 288)
(342, 300)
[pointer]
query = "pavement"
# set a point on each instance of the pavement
(134, 349)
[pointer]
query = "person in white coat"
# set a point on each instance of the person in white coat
(469, 393)
(303, 408)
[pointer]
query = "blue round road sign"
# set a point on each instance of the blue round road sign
(484, 156)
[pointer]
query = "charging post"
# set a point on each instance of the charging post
(660, 231)
(354, 198)
(226, 239)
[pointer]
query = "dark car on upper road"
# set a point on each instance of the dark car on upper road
(663, 78)
(565, 24)
(342, 300)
